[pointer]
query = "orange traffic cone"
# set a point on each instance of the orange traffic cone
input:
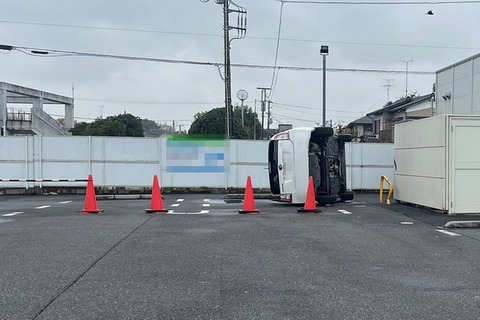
(248, 200)
(156, 205)
(90, 199)
(310, 204)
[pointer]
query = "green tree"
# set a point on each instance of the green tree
(213, 122)
(121, 125)
(154, 129)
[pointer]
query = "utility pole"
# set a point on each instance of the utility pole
(269, 115)
(406, 75)
(324, 54)
(241, 28)
(387, 86)
(262, 103)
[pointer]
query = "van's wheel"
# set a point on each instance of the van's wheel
(324, 200)
(345, 137)
(347, 196)
(323, 131)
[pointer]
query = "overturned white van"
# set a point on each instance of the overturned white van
(299, 153)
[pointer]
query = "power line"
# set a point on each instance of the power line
(285, 106)
(275, 73)
(148, 102)
(380, 44)
(56, 53)
(378, 3)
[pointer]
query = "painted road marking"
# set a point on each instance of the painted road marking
(206, 205)
(42, 207)
(11, 214)
(406, 222)
(201, 212)
(181, 213)
(180, 200)
(447, 232)
(206, 200)
(65, 202)
(344, 211)
(175, 204)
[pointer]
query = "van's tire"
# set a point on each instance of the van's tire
(345, 137)
(347, 196)
(323, 132)
(324, 200)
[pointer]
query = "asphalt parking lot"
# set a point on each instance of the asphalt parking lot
(203, 260)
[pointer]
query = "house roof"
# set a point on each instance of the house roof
(363, 120)
(401, 104)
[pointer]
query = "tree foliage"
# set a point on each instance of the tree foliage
(124, 124)
(155, 129)
(213, 122)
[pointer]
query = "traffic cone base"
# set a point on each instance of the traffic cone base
(156, 204)
(90, 199)
(310, 203)
(249, 211)
(249, 200)
(156, 210)
(309, 210)
(83, 211)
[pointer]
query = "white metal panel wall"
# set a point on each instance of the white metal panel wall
(476, 87)
(249, 158)
(462, 83)
(444, 87)
(132, 162)
(420, 158)
(61, 158)
(465, 165)
(14, 155)
(366, 163)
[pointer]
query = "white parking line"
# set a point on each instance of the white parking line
(42, 207)
(206, 205)
(65, 202)
(175, 204)
(344, 211)
(180, 200)
(181, 213)
(406, 222)
(447, 232)
(11, 214)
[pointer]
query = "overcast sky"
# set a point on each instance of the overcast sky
(362, 37)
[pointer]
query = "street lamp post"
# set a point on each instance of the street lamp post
(324, 53)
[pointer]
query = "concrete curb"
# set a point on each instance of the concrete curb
(123, 196)
(463, 224)
(238, 197)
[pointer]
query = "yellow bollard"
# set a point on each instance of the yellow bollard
(390, 191)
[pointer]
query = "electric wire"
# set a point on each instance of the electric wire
(379, 2)
(56, 53)
(275, 72)
(382, 44)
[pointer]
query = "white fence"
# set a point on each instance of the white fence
(367, 162)
(132, 162)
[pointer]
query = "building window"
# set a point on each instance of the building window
(376, 126)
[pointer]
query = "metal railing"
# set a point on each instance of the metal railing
(19, 115)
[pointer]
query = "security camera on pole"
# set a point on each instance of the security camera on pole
(242, 95)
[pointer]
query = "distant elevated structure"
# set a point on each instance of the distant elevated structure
(37, 121)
